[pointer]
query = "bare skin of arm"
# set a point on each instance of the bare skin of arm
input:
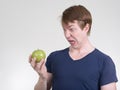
(111, 86)
(45, 78)
(43, 84)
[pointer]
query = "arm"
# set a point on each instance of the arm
(111, 86)
(44, 84)
(45, 78)
(41, 85)
(108, 75)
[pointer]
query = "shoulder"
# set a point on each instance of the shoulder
(106, 67)
(104, 60)
(101, 55)
(58, 52)
(57, 55)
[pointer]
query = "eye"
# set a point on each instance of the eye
(64, 30)
(72, 29)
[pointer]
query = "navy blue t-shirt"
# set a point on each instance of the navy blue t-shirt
(89, 73)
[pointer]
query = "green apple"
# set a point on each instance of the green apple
(39, 55)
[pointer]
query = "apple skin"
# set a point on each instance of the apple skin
(39, 55)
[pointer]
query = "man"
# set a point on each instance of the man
(81, 66)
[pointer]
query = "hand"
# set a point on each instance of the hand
(40, 67)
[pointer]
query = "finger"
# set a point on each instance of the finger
(33, 62)
(30, 58)
(43, 63)
(40, 64)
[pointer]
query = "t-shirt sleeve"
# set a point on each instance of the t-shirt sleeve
(108, 72)
(48, 63)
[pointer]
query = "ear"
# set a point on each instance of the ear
(86, 28)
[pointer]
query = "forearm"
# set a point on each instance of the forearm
(41, 85)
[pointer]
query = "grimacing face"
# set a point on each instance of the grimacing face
(74, 34)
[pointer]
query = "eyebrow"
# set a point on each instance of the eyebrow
(69, 26)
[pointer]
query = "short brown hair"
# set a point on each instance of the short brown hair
(79, 13)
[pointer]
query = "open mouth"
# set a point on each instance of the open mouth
(72, 42)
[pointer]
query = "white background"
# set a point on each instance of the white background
(26, 25)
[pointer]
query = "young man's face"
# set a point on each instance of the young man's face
(74, 34)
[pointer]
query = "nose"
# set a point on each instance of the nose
(67, 34)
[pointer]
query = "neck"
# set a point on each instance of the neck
(86, 46)
(80, 52)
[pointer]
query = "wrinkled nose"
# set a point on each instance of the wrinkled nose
(67, 34)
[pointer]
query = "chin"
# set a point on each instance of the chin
(75, 47)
